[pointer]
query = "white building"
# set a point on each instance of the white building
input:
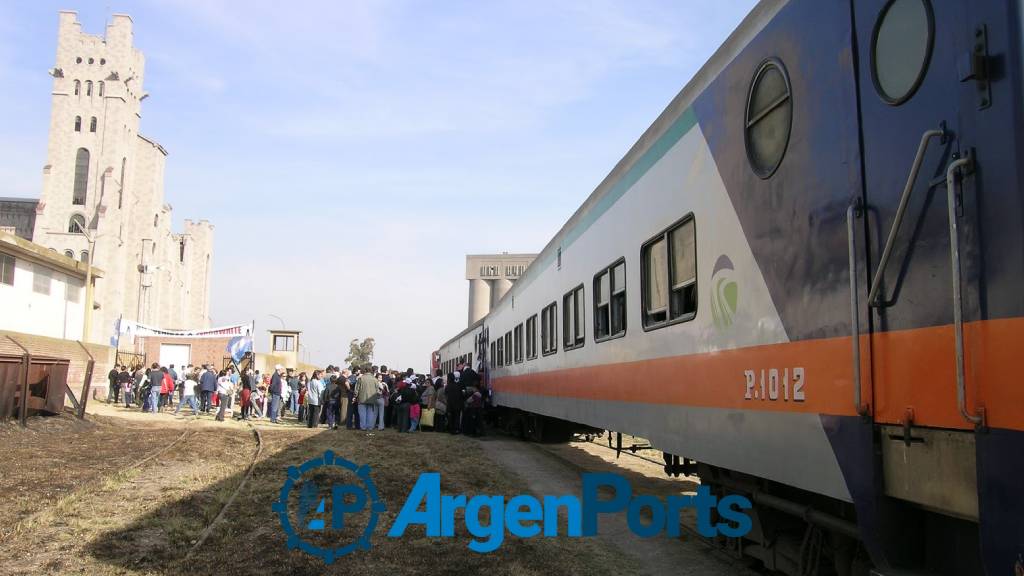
(103, 188)
(42, 292)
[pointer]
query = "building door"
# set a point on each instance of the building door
(178, 354)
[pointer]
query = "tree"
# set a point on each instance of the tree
(359, 353)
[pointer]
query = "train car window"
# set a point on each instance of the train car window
(683, 299)
(568, 307)
(549, 329)
(508, 348)
(469, 359)
(517, 336)
(901, 47)
(655, 258)
(619, 299)
(499, 357)
(669, 276)
(531, 337)
(769, 117)
(610, 302)
(572, 319)
(492, 354)
(602, 305)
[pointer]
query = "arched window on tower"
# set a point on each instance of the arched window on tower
(81, 176)
(92, 124)
(85, 256)
(70, 254)
(156, 219)
(88, 87)
(78, 123)
(101, 88)
(78, 87)
(120, 190)
(76, 226)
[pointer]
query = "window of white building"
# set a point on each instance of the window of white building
(7, 269)
(41, 280)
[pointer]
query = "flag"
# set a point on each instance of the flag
(238, 347)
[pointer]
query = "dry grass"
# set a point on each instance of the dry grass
(144, 521)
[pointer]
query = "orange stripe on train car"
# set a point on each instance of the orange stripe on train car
(912, 369)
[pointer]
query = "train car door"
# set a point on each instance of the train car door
(938, 87)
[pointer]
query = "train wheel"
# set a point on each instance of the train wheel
(514, 425)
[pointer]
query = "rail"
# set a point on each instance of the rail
(851, 214)
(954, 257)
(6, 533)
(890, 241)
(245, 479)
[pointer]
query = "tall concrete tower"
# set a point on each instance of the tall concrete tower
(490, 278)
(104, 182)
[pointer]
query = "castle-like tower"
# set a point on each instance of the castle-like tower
(104, 182)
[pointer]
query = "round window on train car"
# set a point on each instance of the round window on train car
(901, 46)
(769, 117)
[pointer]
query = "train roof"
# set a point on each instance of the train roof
(754, 21)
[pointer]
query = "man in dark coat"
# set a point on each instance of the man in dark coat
(453, 394)
(113, 390)
(207, 386)
(275, 392)
(156, 380)
(124, 381)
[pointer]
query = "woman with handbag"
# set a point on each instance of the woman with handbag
(427, 409)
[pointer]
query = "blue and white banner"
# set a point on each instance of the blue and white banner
(131, 329)
(239, 346)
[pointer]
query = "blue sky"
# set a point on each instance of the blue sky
(350, 154)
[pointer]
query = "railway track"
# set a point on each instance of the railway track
(88, 488)
(227, 504)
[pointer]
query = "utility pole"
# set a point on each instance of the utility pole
(91, 227)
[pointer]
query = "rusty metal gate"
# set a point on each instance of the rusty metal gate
(46, 385)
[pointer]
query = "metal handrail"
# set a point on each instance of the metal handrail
(922, 147)
(954, 257)
(851, 214)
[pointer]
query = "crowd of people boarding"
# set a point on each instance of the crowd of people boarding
(364, 397)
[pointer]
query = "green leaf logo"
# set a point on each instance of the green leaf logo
(724, 293)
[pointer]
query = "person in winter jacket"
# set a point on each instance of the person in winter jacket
(166, 388)
(367, 392)
(207, 387)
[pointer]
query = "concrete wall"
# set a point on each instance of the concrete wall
(265, 364)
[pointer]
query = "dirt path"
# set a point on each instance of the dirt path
(555, 470)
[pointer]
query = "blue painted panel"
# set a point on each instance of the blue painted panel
(795, 220)
(917, 280)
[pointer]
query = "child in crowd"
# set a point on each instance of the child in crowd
(414, 416)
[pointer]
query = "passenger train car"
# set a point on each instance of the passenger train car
(806, 279)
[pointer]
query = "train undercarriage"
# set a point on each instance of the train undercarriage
(795, 532)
